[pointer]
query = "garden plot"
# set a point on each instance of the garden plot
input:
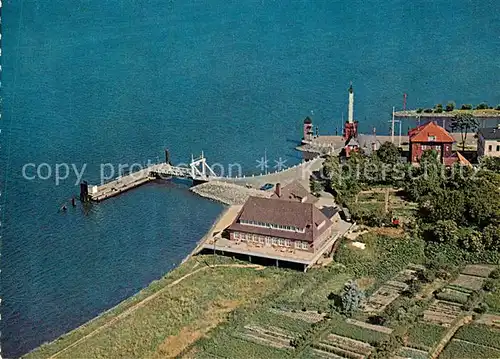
(480, 334)
(457, 348)
(454, 294)
(326, 355)
(271, 336)
(442, 312)
(384, 296)
(377, 328)
(469, 282)
(407, 352)
(490, 319)
(307, 316)
(478, 270)
(344, 347)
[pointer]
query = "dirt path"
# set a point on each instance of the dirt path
(447, 337)
(148, 299)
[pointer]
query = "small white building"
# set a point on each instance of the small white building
(488, 142)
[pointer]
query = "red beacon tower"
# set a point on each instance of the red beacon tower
(308, 129)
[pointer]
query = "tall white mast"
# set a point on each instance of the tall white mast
(350, 117)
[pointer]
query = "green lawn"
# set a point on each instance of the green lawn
(193, 305)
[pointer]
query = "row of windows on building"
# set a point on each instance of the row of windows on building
(273, 226)
(270, 240)
(490, 148)
(430, 147)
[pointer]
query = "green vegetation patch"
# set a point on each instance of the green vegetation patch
(459, 349)
(310, 290)
(201, 299)
(266, 318)
(480, 334)
(383, 256)
(225, 345)
(339, 326)
(372, 196)
(425, 334)
(451, 295)
(492, 299)
(412, 353)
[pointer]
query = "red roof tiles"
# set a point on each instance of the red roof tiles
(430, 132)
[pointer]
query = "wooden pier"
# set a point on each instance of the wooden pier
(198, 170)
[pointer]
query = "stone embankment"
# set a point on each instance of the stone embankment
(227, 193)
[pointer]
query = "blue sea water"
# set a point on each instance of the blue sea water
(93, 81)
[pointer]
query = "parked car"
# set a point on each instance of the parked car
(346, 214)
(267, 187)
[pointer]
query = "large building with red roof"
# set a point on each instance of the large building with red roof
(289, 219)
(430, 137)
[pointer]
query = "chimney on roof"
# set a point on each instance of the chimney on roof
(278, 189)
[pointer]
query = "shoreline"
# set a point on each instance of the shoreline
(126, 304)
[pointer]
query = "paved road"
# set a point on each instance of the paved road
(301, 172)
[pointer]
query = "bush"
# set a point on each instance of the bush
(481, 308)
(450, 106)
(466, 107)
(419, 110)
(471, 301)
(489, 285)
(482, 106)
(495, 274)
(428, 110)
(438, 110)
(497, 108)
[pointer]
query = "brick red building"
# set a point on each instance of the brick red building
(277, 223)
(293, 192)
(430, 137)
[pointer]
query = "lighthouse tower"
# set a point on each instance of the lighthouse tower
(351, 126)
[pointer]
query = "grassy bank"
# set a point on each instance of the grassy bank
(169, 314)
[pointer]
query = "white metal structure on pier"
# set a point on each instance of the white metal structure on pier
(198, 170)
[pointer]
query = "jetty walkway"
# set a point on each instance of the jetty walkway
(198, 171)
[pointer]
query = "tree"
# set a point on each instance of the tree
(316, 186)
(341, 180)
(450, 106)
(464, 122)
(491, 163)
(466, 107)
(482, 106)
(351, 298)
(471, 239)
(446, 231)
(388, 153)
(491, 237)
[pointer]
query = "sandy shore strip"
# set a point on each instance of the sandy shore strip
(228, 193)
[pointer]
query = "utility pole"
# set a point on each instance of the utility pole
(392, 127)
(404, 101)
(265, 159)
